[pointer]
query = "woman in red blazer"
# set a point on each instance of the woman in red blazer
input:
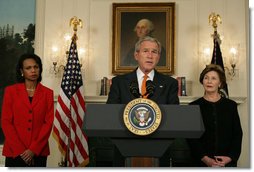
(27, 116)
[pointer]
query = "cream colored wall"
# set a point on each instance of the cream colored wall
(192, 33)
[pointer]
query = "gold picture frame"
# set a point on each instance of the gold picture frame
(125, 18)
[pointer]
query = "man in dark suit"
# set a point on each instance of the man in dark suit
(165, 89)
(147, 54)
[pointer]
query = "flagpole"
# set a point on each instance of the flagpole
(217, 54)
(74, 149)
(75, 22)
(214, 18)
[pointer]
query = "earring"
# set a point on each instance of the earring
(22, 74)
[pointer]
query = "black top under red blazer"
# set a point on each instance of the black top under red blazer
(166, 89)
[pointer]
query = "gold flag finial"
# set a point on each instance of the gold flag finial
(75, 22)
(214, 18)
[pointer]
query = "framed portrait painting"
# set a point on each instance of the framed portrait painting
(132, 21)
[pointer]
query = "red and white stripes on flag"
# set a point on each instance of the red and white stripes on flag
(70, 111)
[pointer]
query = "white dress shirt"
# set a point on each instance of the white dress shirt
(140, 76)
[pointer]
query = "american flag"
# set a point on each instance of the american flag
(218, 60)
(70, 111)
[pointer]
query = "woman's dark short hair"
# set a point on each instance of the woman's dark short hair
(19, 66)
(216, 68)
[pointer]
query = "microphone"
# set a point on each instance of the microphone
(134, 89)
(150, 88)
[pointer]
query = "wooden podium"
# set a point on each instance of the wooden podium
(178, 121)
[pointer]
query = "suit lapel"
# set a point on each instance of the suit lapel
(38, 94)
(21, 92)
(130, 78)
(157, 80)
(159, 86)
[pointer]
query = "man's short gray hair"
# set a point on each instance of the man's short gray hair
(147, 38)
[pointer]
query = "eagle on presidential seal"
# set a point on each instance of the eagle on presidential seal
(142, 116)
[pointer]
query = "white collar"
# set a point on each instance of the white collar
(140, 74)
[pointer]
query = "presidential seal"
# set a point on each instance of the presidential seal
(142, 116)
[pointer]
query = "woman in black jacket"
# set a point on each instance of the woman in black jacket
(220, 145)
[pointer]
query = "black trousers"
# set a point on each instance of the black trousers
(39, 161)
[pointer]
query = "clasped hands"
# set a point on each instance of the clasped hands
(217, 161)
(27, 156)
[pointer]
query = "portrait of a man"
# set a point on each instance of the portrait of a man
(144, 27)
(132, 21)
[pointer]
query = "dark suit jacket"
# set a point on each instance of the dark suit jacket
(166, 89)
(27, 125)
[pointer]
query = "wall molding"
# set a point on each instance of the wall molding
(184, 100)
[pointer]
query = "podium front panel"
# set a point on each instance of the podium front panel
(178, 121)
